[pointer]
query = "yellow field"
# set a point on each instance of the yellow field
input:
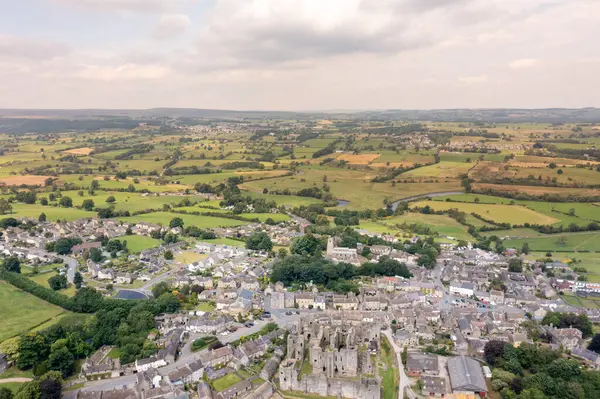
(539, 190)
(80, 151)
(360, 159)
(28, 180)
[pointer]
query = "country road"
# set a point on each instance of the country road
(404, 381)
(71, 267)
(16, 379)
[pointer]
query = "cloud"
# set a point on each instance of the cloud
(143, 6)
(473, 79)
(523, 63)
(124, 72)
(171, 25)
(17, 47)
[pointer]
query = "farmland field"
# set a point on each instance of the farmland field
(163, 218)
(21, 311)
(567, 242)
(442, 170)
(513, 214)
(53, 213)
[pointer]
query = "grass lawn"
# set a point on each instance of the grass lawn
(42, 279)
(14, 372)
(114, 353)
(205, 307)
(291, 201)
(589, 260)
(13, 386)
(137, 243)
(442, 169)
(391, 376)
(163, 218)
(21, 311)
(225, 382)
(63, 319)
(189, 257)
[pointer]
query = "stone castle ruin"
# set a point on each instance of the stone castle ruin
(342, 359)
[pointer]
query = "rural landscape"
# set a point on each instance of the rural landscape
(220, 254)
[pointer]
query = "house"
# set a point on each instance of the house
(105, 274)
(419, 363)
(434, 386)
(466, 376)
(239, 389)
(152, 362)
(124, 278)
(216, 357)
(462, 289)
(80, 249)
(569, 338)
(305, 300)
(189, 373)
(587, 356)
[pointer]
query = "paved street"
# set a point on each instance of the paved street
(71, 267)
(187, 356)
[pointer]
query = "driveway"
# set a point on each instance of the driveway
(71, 267)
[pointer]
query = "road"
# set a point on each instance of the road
(404, 381)
(187, 356)
(72, 267)
(395, 203)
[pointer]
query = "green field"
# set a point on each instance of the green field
(584, 213)
(129, 201)
(441, 169)
(513, 214)
(566, 242)
(390, 374)
(163, 218)
(21, 311)
(52, 213)
(351, 185)
(137, 243)
(42, 279)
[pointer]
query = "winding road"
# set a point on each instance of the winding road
(416, 197)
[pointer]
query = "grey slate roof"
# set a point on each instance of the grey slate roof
(466, 374)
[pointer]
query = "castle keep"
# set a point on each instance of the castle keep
(342, 359)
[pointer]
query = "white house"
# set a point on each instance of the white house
(462, 289)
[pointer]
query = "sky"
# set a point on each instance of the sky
(299, 54)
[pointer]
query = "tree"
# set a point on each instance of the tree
(131, 188)
(44, 201)
(9, 222)
(515, 265)
(12, 264)
(525, 248)
(259, 241)
(171, 238)
(10, 348)
(168, 255)
(5, 393)
(5, 207)
(65, 202)
(61, 360)
(95, 254)
(110, 199)
(176, 222)
(95, 185)
(282, 253)
(32, 349)
(532, 393)
(493, 351)
(42, 217)
(160, 289)
(50, 389)
(88, 205)
(560, 171)
(57, 282)
(306, 245)
(77, 280)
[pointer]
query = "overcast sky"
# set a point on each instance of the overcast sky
(299, 54)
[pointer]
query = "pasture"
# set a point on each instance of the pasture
(53, 213)
(21, 311)
(439, 170)
(565, 242)
(513, 214)
(163, 218)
